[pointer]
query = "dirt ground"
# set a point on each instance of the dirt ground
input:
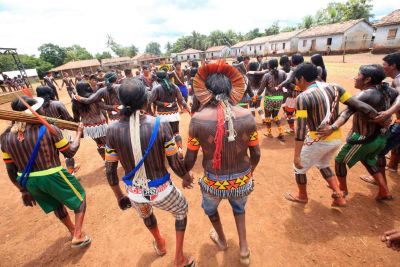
(279, 233)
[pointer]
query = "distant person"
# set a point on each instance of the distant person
(179, 80)
(128, 73)
(69, 84)
(318, 61)
(284, 62)
(51, 82)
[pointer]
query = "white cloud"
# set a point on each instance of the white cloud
(28, 24)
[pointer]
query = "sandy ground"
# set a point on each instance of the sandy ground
(279, 233)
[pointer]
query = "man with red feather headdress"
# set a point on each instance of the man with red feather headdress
(225, 133)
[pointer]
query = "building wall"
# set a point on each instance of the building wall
(321, 43)
(235, 52)
(381, 37)
(184, 57)
(359, 37)
(225, 52)
(259, 49)
(277, 47)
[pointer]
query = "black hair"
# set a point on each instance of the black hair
(162, 78)
(17, 104)
(264, 65)
(83, 89)
(393, 59)
(306, 70)
(93, 77)
(240, 59)
(46, 93)
(193, 71)
(145, 67)
(318, 61)
(373, 71)
(127, 72)
(297, 59)
(177, 63)
(253, 66)
(195, 64)
(219, 84)
(284, 60)
(133, 95)
(110, 78)
(246, 58)
(273, 65)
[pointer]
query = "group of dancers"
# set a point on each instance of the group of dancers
(134, 120)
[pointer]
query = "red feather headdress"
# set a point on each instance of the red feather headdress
(199, 83)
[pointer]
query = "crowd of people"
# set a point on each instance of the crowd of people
(134, 120)
(8, 84)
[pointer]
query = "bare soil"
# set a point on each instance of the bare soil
(279, 233)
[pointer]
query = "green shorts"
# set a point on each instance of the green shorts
(55, 187)
(350, 154)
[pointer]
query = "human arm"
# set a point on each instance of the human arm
(301, 129)
(171, 152)
(254, 146)
(97, 96)
(111, 164)
(344, 116)
(357, 103)
(180, 99)
(386, 115)
(64, 146)
(63, 82)
(75, 111)
(263, 84)
(193, 145)
(55, 82)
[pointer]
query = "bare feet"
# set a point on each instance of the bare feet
(215, 238)
(293, 198)
(392, 239)
(381, 198)
(186, 262)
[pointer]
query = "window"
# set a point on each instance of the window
(260, 47)
(272, 47)
(182, 57)
(188, 56)
(392, 34)
(329, 41)
(194, 56)
(283, 45)
(304, 43)
(250, 48)
(212, 54)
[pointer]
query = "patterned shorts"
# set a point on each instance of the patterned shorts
(175, 202)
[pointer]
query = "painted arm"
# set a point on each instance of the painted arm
(263, 84)
(75, 112)
(70, 149)
(64, 113)
(180, 99)
(97, 96)
(193, 147)
(288, 81)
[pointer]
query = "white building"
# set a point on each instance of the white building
(352, 35)
(283, 43)
(258, 46)
(387, 33)
(189, 54)
(238, 48)
(216, 52)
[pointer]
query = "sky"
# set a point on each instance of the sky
(26, 25)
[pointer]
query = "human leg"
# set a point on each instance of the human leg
(101, 141)
(238, 207)
(62, 214)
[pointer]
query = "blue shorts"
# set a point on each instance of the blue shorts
(184, 90)
(210, 204)
(393, 139)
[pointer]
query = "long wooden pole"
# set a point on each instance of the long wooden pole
(10, 115)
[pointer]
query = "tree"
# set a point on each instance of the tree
(103, 55)
(181, 44)
(357, 9)
(198, 40)
(52, 53)
(307, 22)
(119, 50)
(153, 48)
(273, 29)
(288, 29)
(252, 34)
(76, 52)
(29, 62)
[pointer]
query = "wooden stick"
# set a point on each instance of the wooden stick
(29, 118)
